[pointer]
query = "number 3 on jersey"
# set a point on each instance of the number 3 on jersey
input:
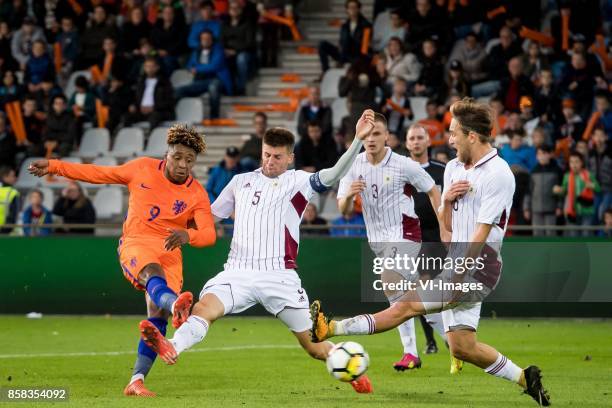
(256, 198)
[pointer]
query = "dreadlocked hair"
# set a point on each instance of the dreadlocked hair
(186, 136)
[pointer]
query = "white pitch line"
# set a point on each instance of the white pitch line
(121, 353)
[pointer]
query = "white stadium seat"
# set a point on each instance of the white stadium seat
(181, 77)
(108, 202)
(95, 142)
(156, 146)
(129, 142)
(419, 107)
(105, 161)
(25, 179)
(190, 110)
(339, 111)
(329, 83)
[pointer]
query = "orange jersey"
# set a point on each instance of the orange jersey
(155, 203)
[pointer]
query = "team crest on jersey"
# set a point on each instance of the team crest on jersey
(178, 207)
(387, 179)
(133, 262)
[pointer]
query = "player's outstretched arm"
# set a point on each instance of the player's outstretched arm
(89, 173)
(364, 127)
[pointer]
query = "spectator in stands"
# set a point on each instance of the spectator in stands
(456, 82)
(518, 153)
(210, 72)
(397, 108)
(426, 22)
(133, 31)
(350, 219)
(603, 109)
(579, 83)
(433, 125)
(572, 125)
(154, 101)
(541, 206)
(395, 144)
(39, 73)
(117, 96)
(397, 28)
(238, 38)
(23, 40)
(314, 110)
(93, 37)
(10, 90)
(9, 199)
(8, 144)
(314, 152)
(441, 155)
(311, 218)
(60, 130)
(351, 37)
(75, 208)
(546, 98)
(69, 41)
(270, 31)
(168, 37)
(600, 164)
(82, 103)
(222, 173)
(607, 222)
(7, 61)
(36, 215)
(432, 72)
(250, 153)
(401, 64)
(578, 189)
(207, 21)
(360, 86)
(470, 53)
(34, 124)
(501, 54)
(534, 62)
(514, 85)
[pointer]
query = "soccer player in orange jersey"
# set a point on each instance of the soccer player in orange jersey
(164, 199)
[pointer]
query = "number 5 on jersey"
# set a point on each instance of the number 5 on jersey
(256, 198)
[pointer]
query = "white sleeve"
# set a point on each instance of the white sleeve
(497, 195)
(345, 185)
(447, 183)
(223, 206)
(417, 176)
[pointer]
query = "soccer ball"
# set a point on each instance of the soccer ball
(347, 361)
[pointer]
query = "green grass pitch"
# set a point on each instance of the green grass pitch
(255, 362)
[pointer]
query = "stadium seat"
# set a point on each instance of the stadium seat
(382, 21)
(190, 110)
(95, 142)
(70, 87)
(48, 198)
(339, 111)
(108, 202)
(129, 142)
(419, 107)
(77, 160)
(329, 83)
(156, 146)
(105, 161)
(181, 77)
(25, 179)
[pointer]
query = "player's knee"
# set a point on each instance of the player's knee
(461, 349)
(207, 310)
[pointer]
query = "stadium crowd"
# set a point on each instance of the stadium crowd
(545, 69)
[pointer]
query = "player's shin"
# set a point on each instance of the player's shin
(146, 356)
(408, 337)
(190, 333)
(160, 293)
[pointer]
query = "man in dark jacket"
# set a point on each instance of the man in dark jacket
(59, 136)
(154, 100)
(210, 73)
(221, 174)
(93, 38)
(514, 85)
(314, 110)
(250, 153)
(238, 38)
(351, 37)
(8, 144)
(540, 204)
(600, 164)
(314, 152)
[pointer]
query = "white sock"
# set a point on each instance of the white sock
(435, 321)
(136, 377)
(362, 324)
(190, 333)
(503, 367)
(408, 336)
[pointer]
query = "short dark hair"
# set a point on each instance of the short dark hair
(59, 96)
(152, 58)
(5, 171)
(608, 211)
(546, 148)
(379, 117)
(206, 31)
(473, 117)
(261, 115)
(314, 123)
(39, 192)
(279, 137)
(207, 3)
(81, 82)
(347, 2)
(574, 153)
(187, 136)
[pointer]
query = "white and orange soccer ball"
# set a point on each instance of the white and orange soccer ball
(347, 361)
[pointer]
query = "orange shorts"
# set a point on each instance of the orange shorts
(135, 254)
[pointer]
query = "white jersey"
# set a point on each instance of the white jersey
(267, 215)
(387, 201)
(488, 200)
